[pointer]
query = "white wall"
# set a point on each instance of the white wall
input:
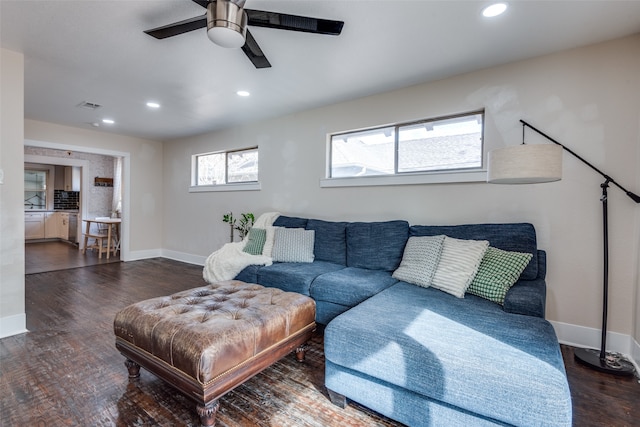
(587, 98)
(12, 313)
(142, 185)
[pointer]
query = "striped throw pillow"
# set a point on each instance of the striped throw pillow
(458, 264)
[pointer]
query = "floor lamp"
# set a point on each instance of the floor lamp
(533, 163)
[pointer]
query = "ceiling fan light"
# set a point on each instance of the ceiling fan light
(226, 24)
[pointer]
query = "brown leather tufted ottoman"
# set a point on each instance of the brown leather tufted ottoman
(208, 340)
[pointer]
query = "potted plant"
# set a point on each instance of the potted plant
(242, 224)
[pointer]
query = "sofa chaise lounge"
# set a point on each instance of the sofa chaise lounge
(417, 354)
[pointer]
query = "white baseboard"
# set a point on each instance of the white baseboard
(581, 336)
(13, 325)
(145, 254)
(184, 257)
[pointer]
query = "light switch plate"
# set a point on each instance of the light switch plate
(1, 176)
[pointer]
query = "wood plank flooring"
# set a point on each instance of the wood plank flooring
(67, 372)
(56, 255)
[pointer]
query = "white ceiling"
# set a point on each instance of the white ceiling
(96, 51)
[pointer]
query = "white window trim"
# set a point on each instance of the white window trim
(236, 186)
(233, 186)
(441, 177)
(444, 176)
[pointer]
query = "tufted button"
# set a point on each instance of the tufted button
(213, 307)
(201, 293)
(182, 310)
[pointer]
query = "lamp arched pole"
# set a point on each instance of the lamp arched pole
(600, 360)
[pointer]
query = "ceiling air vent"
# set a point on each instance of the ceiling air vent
(89, 105)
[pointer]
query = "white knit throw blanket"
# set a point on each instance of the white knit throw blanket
(228, 261)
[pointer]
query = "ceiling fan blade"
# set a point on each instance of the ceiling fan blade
(202, 3)
(283, 21)
(254, 53)
(178, 27)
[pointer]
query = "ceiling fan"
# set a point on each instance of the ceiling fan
(226, 22)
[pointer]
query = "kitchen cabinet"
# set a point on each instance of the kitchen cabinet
(63, 225)
(51, 225)
(71, 178)
(34, 225)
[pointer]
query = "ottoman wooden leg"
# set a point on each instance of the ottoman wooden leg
(133, 368)
(301, 352)
(207, 413)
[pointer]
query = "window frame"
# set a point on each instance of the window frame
(226, 186)
(470, 174)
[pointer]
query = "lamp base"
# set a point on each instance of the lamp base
(611, 364)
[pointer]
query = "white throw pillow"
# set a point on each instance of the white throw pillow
(458, 265)
(293, 245)
(420, 260)
(267, 249)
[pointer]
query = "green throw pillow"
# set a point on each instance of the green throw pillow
(255, 241)
(498, 271)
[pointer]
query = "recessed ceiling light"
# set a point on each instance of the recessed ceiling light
(494, 10)
(108, 121)
(242, 93)
(152, 104)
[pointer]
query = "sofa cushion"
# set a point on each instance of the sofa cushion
(420, 260)
(376, 245)
(350, 286)
(293, 245)
(294, 276)
(465, 352)
(331, 240)
(458, 265)
(249, 274)
(516, 237)
(290, 222)
(498, 271)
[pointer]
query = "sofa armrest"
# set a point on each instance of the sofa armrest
(527, 297)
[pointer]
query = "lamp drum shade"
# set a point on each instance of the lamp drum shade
(525, 164)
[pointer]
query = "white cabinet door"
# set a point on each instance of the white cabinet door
(63, 226)
(72, 178)
(34, 225)
(51, 225)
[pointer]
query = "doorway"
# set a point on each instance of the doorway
(51, 254)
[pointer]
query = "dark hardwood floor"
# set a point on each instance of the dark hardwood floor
(56, 255)
(67, 372)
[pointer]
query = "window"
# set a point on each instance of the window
(35, 189)
(435, 145)
(225, 167)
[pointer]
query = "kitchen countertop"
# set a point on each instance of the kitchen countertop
(52, 210)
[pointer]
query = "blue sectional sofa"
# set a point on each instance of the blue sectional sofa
(419, 355)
